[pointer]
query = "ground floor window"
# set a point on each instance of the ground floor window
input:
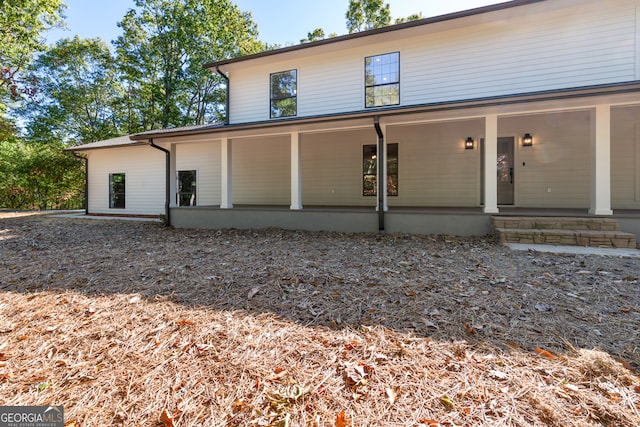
(117, 191)
(186, 188)
(370, 170)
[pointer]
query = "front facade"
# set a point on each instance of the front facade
(429, 127)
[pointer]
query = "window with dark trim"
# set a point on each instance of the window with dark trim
(186, 188)
(370, 170)
(283, 94)
(382, 80)
(117, 191)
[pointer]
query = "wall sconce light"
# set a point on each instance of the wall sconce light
(468, 143)
(527, 140)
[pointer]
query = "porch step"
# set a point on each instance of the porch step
(596, 232)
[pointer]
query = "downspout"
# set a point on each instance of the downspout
(226, 107)
(381, 170)
(86, 181)
(167, 201)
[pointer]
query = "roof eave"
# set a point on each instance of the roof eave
(368, 33)
(549, 95)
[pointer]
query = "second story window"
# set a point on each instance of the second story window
(284, 90)
(382, 80)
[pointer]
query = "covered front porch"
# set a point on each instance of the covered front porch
(430, 170)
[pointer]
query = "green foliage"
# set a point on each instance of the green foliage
(317, 34)
(39, 176)
(161, 52)
(22, 23)
(365, 15)
(77, 99)
(412, 17)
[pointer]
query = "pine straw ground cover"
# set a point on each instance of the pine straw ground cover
(133, 324)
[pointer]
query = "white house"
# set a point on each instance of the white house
(430, 126)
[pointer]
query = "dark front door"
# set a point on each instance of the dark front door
(505, 171)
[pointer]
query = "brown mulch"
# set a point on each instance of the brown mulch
(133, 324)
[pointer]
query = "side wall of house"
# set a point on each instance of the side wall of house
(261, 170)
(332, 168)
(144, 169)
(538, 47)
(555, 172)
(204, 158)
(433, 166)
(625, 158)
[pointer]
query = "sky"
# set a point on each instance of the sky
(282, 22)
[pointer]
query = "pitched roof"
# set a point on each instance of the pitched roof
(387, 29)
(107, 143)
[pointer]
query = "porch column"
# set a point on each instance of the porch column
(296, 173)
(226, 201)
(601, 161)
(174, 176)
(490, 164)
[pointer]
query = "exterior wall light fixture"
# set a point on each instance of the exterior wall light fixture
(527, 140)
(468, 143)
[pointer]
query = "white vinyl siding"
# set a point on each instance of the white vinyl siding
(543, 46)
(625, 158)
(434, 167)
(204, 158)
(144, 169)
(332, 168)
(261, 170)
(555, 172)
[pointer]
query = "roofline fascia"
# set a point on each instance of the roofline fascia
(550, 95)
(127, 144)
(375, 31)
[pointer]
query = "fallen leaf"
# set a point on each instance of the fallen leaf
(341, 420)
(429, 422)
(498, 375)
(411, 293)
(627, 365)
(252, 292)
(447, 402)
(166, 419)
(469, 330)
(545, 353)
(637, 389)
(391, 395)
(185, 322)
(543, 307)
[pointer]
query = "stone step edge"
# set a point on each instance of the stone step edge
(548, 223)
(618, 239)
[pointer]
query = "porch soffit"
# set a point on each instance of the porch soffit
(504, 106)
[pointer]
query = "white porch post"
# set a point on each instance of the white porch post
(490, 164)
(601, 161)
(226, 199)
(296, 173)
(174, 176)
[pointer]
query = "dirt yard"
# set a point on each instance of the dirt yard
(132, 324)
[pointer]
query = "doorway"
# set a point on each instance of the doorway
(504, 168)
